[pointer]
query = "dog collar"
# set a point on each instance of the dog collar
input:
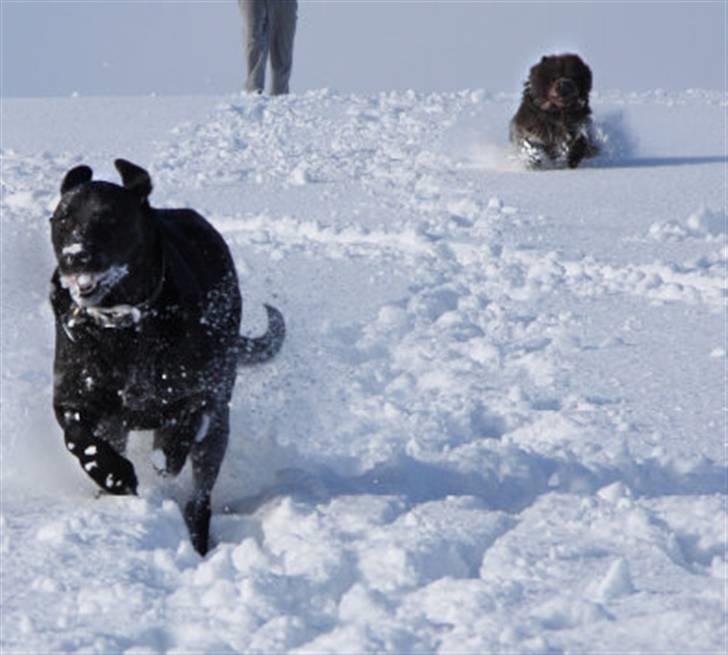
(116, 317)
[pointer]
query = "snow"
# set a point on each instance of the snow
(73, 249)
(496, 424)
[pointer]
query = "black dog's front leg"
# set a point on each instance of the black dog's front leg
(98, 458)
(207, 452)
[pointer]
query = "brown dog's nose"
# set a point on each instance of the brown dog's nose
(565, 86)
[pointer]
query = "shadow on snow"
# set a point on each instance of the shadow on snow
(654, 162)
(419, 482)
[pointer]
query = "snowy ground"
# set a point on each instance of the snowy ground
(497, 423)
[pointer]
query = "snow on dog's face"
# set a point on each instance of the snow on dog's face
(99, 231)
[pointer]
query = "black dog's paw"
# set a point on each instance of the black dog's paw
(197, 517)
(112, 472)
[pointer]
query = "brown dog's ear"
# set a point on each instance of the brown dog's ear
(134, 178)
(587, 79)
(579, 71)
(76, 176)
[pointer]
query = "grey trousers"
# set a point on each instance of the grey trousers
(270, 26)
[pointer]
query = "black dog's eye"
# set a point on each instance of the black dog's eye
(109, 219)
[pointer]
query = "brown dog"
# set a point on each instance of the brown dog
(552, 128)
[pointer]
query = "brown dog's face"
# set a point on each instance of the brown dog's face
(560, 82)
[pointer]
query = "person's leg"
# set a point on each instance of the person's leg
(257, 30)
(283, 31)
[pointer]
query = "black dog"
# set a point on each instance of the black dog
(552, 127)
(147, 311)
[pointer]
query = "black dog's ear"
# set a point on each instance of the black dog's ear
(76, 176)
(135, 179)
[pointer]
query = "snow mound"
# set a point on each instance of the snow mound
(701, 224)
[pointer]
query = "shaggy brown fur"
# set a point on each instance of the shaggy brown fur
(552, 127)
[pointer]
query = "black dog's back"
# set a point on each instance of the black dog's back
(196, 256)
(197, 247)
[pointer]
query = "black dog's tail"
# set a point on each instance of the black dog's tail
(255, 350)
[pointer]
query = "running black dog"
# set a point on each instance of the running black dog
(147, 311)
(552, 127)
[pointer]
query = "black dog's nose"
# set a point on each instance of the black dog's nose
(566, 86)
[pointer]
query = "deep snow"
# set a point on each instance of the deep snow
(496, 425)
